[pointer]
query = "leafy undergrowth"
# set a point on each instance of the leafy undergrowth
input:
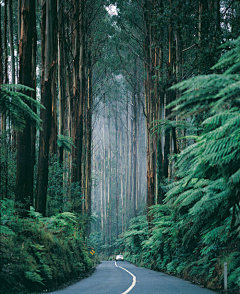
(162, 251)
(40, 253)
(196, 229)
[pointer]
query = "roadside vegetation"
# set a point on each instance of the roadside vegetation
(119, 133)
(40, 253)
(196, 228)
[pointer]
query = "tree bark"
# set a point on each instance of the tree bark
(109, 210)
(26, 138)
(116, 171)
(47, 92)
(78, 92)
(6, 80)
(1, 116)
(88, 148)
(10, 28)
(127, 198)
(61, 74)
(149, 91)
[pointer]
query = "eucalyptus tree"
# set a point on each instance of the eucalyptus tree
(163, 35)
(1, 59)
(10, 26)
(48, 90)
(6, 79)
(85, 34)
(176, 34)
(27, 76)
(62, 74)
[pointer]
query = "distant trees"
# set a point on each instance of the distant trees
(118, 173)
(119, 159)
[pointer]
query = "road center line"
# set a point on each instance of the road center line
(133, 282)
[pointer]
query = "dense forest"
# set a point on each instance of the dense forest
(120, 133)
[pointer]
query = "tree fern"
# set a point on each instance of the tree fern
(15, 104)
(66, 142)
(208, 170)
(197, 228)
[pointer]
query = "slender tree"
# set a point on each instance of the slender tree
(1, 81)
(27, 77)
(10, 29)
(47, 92)
(61, 74)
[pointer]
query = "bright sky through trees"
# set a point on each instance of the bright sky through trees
(112, 9)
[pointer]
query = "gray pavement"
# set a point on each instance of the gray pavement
(109, 279)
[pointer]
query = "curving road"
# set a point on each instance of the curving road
(124, 278)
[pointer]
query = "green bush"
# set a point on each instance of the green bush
(196, 229)
(40, 253)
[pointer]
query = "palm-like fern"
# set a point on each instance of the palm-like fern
(15, 104)
(201, 213)
(197, 228)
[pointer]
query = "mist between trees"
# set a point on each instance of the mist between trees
(119, 131)
(119, 159)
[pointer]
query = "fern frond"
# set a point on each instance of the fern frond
(192, 197)
(230, 58)
(66, 142)
(16, 105)
(68, 216)
(6, 231)
(235, 178)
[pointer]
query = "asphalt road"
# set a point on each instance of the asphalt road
(123, 278)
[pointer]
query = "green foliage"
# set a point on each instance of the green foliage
(197, 227)
(38, 252)
(16, 105)
(131, 240)
(7, 166)
(66, 142)
(62, 195)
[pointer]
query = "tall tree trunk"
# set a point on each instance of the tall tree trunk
(149, 90)
(134, 141)
(26, 138)
(78, 92)
(109, 212)
(6, 80)
(88, 148)
(1, 68)
(104, 172)
(127, 200)
(121, 174)
(61, 74)
(47, 83)
(169, 95)
(116, 171)
(130, 161)
(10, 28)
(62, 82)
(102, 198)
(54, 51)
(1, 116)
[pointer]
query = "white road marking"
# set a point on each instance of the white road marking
(134, 279)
